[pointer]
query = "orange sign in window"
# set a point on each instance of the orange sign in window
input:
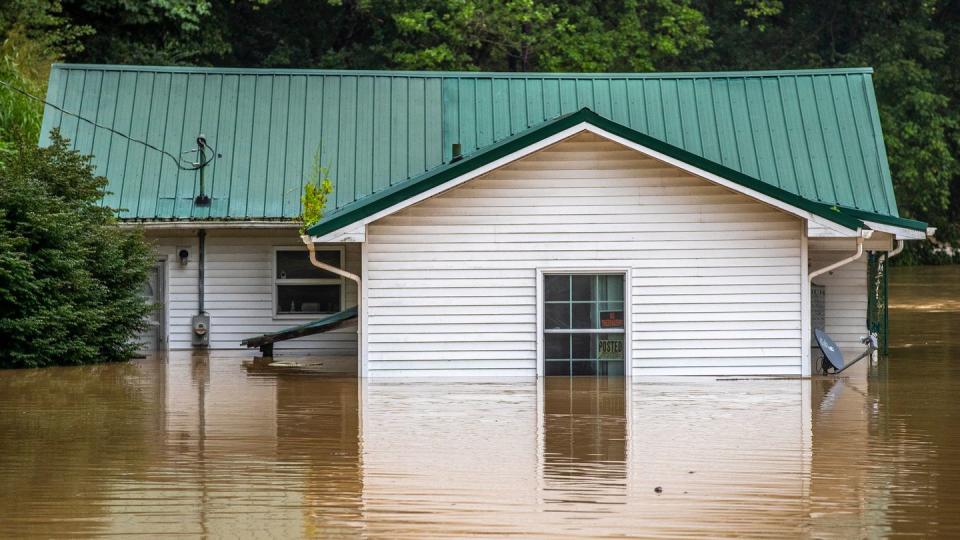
(611, 319)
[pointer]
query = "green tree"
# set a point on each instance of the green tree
(501, 35)
(70, 278)
(157, 32)
(33, 35)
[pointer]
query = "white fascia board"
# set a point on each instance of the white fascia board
(354, 233)
(790, 209)
(899, 233)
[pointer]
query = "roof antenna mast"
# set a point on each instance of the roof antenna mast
(202, 199)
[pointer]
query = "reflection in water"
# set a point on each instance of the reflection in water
(584, 442)
(201, 447)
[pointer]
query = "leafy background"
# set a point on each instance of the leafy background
(911, 44)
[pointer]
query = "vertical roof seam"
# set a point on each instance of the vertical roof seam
(146, 132)
(286, 149)
(696, 113)
(233, 160)
(753, 138)
(860, 147)
(93, 136)
(733, 122)
(773, 146)
(113, 123)
(823, 142)
(683, 138)
(846, 163)
(806, 142)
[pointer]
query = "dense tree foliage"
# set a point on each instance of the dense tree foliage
(912, 44)
(70, 278)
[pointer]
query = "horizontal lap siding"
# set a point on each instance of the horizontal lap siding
(715, 276)
(239, 291)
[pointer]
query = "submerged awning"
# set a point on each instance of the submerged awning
(313, 327)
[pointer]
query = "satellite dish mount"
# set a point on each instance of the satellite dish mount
(832, 362)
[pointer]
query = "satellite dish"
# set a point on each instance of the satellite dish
(830, 349)
(832, 354)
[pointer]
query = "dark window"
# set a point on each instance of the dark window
(302, 288)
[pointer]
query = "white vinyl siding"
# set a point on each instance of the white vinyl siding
(846, 296)
(715, 275)
(239, 290)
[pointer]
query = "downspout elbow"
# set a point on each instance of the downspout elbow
(896, 251)
(842, 262)
(308, 241)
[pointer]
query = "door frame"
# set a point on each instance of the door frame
(627, 312)
(163, 295)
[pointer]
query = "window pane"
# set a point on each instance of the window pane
(308, 298)
(583, 287)
(612, 368)
(611, 315)
(557, 346)
(583, 315)
(556, 367)
(580, 347)
(610, 288)
(296, 264)
(557, 315)
(556, 288)
(583, 367)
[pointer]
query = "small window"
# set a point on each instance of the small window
(304, 289)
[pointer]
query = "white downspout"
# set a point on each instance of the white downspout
(308, 240)
(844, 262)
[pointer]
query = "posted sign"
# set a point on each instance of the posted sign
(610, 349)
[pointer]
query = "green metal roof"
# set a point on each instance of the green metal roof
(812, 133)
(382, 200)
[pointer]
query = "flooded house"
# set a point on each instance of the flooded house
(499, 224)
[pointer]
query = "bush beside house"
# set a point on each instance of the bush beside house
(70, 278)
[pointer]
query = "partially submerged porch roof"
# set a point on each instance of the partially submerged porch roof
(395, 196)
(813, 133)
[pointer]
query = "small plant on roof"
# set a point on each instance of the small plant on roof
(314, 198)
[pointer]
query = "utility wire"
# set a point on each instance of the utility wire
(176, 160)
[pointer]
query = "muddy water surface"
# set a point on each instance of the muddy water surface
(203, 447)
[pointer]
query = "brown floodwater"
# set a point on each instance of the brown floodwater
(203, 447)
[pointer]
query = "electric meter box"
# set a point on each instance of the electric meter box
(200, 334)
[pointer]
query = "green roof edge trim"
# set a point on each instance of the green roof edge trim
(905, 223)
(402, 191)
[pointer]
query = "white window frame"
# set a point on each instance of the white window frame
(274, 281)
(627, 313)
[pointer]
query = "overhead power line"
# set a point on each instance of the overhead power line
(193, 167)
